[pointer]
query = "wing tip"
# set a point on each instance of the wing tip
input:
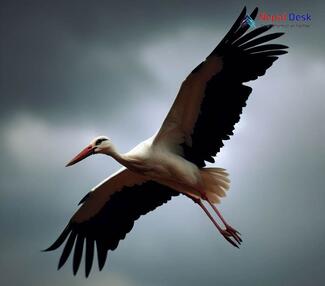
(101, 254)
(254, 13)
(243, 11)
(67, 249)
(57, 243)
(77, 256)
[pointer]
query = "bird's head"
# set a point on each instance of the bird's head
(100, 144)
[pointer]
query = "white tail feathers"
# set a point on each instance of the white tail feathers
(216, 183)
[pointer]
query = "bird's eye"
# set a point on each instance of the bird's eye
(100, 140)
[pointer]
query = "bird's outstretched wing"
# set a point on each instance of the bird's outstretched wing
(211, 98)
(107, 214)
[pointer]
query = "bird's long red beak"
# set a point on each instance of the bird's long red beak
(89, 150)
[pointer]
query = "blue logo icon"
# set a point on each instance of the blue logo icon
(249, 21)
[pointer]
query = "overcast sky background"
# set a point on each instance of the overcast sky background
(71, 70)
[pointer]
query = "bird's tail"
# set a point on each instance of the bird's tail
(216, 183)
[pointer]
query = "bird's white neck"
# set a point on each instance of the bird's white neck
(119, 157)
(127, 161)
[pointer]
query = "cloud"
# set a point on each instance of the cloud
(32, 140)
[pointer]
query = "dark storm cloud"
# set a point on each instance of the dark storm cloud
(69, 55)
(47, 66)
(71, 70)
(49, 51)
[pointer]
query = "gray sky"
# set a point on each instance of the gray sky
(71, 70)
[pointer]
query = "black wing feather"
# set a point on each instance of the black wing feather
(258, 31)
(101, 253)
(260, 40)
(78, 253)
(268, 47)
(242, 28)
(60, 239)
(232, 30)
(67, 249)
(244, 59)
(272, 53)
(89, 255)
(111, 224)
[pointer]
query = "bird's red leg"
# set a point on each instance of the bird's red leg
(225, 233)
(235, 233)
(229, 229)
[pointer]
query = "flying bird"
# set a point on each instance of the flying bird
(173, 161)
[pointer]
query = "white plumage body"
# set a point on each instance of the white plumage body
(157, 162)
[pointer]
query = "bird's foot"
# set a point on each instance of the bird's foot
(234, 233)
(230, 233)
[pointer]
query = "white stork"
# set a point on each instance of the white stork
(207, 107)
